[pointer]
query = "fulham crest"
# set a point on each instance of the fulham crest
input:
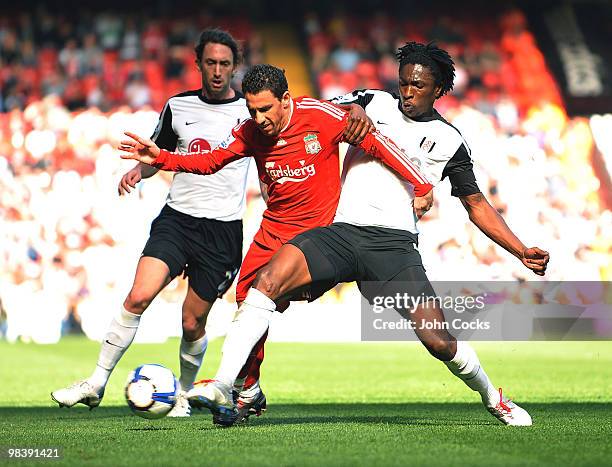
(426, 144)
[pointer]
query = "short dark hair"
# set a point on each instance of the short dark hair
(265, 78)
(436, 59)
(217, 36)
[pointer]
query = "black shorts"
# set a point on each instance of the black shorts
(208, 250)
(375, 257)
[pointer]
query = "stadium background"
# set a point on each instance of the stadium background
(533, 108)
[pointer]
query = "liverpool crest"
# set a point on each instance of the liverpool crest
(311, 144)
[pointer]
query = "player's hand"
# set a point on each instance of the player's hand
(129, 180)
(536, 260)
(358, 125)
(422, 204)
(139, 149)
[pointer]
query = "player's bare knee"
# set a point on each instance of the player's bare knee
(194, 316)
(267, 282)
(440, 347)
(193, 326)
(137, 302)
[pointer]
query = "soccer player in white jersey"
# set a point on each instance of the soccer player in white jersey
(198, 231)
(373, 237)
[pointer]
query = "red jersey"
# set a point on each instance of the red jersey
(300, 166)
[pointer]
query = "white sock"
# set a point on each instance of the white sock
(466, 366)
(191, 355)
(250, 324)
(118, 338)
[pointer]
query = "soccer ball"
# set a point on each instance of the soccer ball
(151, 391)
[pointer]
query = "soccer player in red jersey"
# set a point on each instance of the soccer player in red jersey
(295, 145)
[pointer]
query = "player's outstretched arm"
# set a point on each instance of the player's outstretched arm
(488, 220)
(146, 151)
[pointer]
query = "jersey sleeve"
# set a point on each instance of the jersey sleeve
(334, 120)
(459, 170)
(164, 135)
(209, 161)
(382, 148)
(361, 97)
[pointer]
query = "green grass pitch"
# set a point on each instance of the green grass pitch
(329, 404)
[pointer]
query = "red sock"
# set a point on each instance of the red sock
(250, 370)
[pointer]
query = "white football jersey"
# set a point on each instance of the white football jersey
(372, 194)
(190, 123)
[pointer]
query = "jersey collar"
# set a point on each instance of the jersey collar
(206, 100)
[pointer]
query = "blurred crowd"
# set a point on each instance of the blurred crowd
(496, 57)
(69, 244)
(105, 60)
